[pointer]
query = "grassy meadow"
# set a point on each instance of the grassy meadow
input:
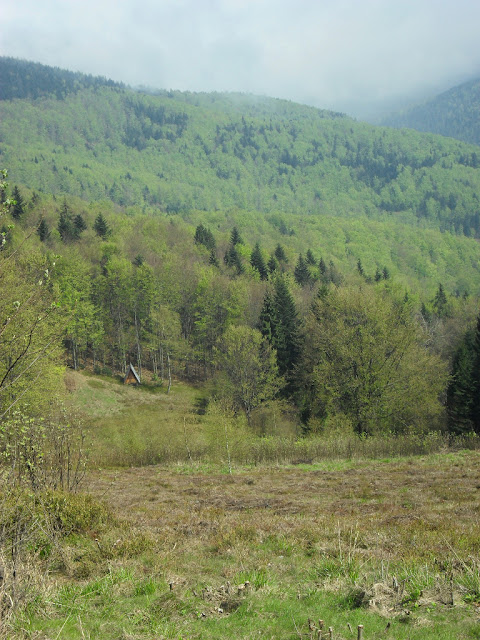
(206, 531)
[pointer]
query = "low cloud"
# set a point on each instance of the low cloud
(345, 55)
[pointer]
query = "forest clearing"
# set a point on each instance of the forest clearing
(197, 549)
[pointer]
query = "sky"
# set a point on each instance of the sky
(361, 57)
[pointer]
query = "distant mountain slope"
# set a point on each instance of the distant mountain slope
(455, 113)
(32, 80)
(177, 152)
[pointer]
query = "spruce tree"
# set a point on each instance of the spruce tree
(79, 225)
(101, 227)
(310, 258)
(18, 208)
(460, 391)
(267, 320)
(42, 230)
(322, 267)
(475, 379)
(235, 237)
(439, 303)
(360, 268)
(272, 264)
(278, 323)
(302, 273)
(65, 226)
(286, 336)
(213, 260)
(204, 236)
(280, 253)
(463, 392)
(258, 263)
(232, 259)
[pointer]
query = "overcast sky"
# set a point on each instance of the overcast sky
(346, 55)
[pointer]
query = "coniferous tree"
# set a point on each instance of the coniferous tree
(232, 259)
(272, 264)
(235, 237)
(360, 268)
(310, 258)
(213, 260)
(267, 319)
(42, 230)
(279, 324)
(79, 225)
(385, 273)
(65, 225)
(475, 380)
(286, 333)
(280, 254)
(301, 272)
(460, 390)
(322, 267)
(425, 313)
(204, 236)
(101, 227)
(463, 392)
(258, 263)
(440, 303)
(378, 275)
(18, 208)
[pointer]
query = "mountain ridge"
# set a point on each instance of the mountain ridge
(453, 113)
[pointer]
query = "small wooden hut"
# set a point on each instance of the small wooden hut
(131, 377)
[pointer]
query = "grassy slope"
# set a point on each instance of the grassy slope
(328, 540)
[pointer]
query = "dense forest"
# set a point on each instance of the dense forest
(453, 113)
(285, 256)
(175, 152)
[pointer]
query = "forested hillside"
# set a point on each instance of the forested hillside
(174, 152)
(454, 113)
(277, 252)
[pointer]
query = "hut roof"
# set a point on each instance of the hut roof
(131, 369)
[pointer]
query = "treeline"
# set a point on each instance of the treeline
(21, 79)
(177, 152)
(263, 326)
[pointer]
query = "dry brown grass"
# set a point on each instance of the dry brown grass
(381, 515)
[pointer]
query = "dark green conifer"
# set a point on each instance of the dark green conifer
(18, 207)
(235, 237)
(475, 379)
(360, 268)
(301, 272)
(101, 227)
(440, 303)
(272, 264)
(204, 236)
(65, 225)
(286, 332)
(460, 391)
(310, 258)
(79, 225)
(267, 320)
(213, 260)
(232, 259)
(258, 263)
(42, 230)
(280, 254)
